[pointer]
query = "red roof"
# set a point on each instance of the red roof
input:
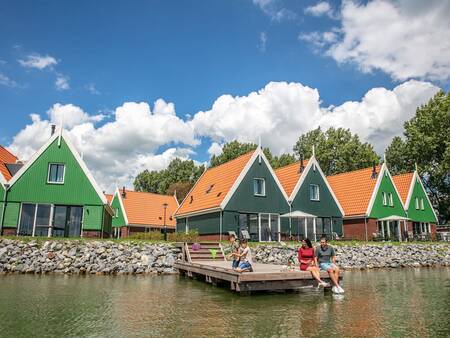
(289, 176)
(6, 157)
(354, 189)
(109, 198)
(146, 209)
(403, 183)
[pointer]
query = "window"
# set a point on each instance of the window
(56, 173)
(391, 200)
(259, 187)
(116, 212)
(314, 192)
(422, 205)
(384, 198)
(416, 203)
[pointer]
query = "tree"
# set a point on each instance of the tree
(427, 143)
(159, 181)
(234, 149)
(337, 150)
(181, 189)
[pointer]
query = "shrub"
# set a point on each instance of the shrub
(149, 236)
(191, 236)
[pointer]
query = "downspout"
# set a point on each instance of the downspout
(220, 226)
(4, 208)
(365, 226)
(290, 222)
(103, 221)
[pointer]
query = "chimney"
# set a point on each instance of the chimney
(53, 129)
(374, 171)
(124, 193)
(302, 167)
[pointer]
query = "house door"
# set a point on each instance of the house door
(269, 225)
(67, 221)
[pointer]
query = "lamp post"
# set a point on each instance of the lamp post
(165, 226)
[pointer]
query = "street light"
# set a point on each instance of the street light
(165, 226)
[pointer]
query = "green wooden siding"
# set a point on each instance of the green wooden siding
(325, 207)
(32, 187)
(205, 224)
(379, 210)
(181, 225)
(244, 200)
(426, 215)
(118, 221)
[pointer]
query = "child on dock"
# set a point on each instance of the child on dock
(233, 251)
(245, 258)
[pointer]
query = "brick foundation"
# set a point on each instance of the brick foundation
(94, 234)
(356, 229)
(9, 231)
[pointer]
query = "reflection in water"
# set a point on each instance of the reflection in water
(376, 304)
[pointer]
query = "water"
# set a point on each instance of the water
(413, 303)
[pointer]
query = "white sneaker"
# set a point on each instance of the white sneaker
(340, 289)
(334, 289)
(324, 284)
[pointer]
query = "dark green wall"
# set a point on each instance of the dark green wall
(325, 207)
(244, 199)
(118, 221)
(204, 224)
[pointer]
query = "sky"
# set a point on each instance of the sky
(138, 83)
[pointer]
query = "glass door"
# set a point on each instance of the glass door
(264, 225)
(67, 221)
(274, 227)
(74, 223)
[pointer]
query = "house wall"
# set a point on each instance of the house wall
(325, 207)
(118, 221)
(204, 224)
(426, 215)
(356, 229)
(379, 210)
(32, 187)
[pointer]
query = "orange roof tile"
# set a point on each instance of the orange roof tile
(144, 208)
(109, 198)
(354, 189)
(212, 187)
(289, 176)
(6, 157)
(403, 182)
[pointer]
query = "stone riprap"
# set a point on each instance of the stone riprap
(368, 256)
(86, 257)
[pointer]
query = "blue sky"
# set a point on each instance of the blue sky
(189, 53)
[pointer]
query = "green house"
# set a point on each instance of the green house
(422, 220)
(371, 203)
(314, 209)
(243, 196)
(55, 195)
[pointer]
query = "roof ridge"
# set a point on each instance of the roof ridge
(291, 164)
(146, 192)
(353, 171)
(404, 174)
(232, 160)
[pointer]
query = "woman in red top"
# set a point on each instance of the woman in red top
(306, 259)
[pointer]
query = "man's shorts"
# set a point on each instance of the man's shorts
(326, 266)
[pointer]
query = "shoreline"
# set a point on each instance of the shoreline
(143, 258)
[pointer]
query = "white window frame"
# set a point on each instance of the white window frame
(384, 198)
(416, 203)
(391, 199)
(422, 204)
(263, 186)
(116, 212)
(48, 173)
(318, 192)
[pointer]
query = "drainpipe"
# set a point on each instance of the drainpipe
(4, 208)
(103, 221)
(365, 226)
(220, 226)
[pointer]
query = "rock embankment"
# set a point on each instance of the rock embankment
(86, 257)
(368, 256)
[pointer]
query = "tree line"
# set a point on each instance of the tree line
(425, 144)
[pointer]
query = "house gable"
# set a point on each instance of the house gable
(327, 205)
(242, 198)
(116, 203)
(418, 191)
(385, 185)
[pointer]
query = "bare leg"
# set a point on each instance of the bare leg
(315, 273)
(333, 276)
(336, 274)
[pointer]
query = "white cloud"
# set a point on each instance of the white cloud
(38, 61)
(118, 150)
(215, 149)
(262, 41)
(405, 39)
(6, 81)
(275, 10)
(320, 9)
(62, 82)
(281, 111)
(91, 88)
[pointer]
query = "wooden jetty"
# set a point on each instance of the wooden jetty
(200, 264)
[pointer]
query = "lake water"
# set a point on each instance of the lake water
(408, 302)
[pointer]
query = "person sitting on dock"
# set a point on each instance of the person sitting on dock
(233, 251)
(325, 257)
(307, 263)
(245, 258)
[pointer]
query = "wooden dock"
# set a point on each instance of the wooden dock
(265, 277)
